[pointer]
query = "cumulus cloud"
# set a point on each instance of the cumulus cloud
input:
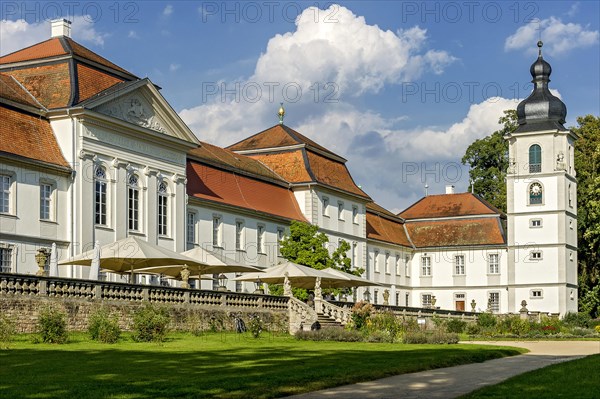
(15, 35)
(314, 64)
(559, 37)
(168, 10)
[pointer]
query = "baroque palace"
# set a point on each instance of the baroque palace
(89, 153)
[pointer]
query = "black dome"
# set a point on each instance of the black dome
(541, 110)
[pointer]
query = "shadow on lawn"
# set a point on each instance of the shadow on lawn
(241, 371)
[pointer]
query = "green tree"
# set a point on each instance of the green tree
(306, 246)
(488, 161)
(587, 166)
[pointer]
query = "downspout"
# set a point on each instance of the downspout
(73, 175)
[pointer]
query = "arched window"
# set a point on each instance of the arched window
(162, 208)
(535, 194)
(133, 203)
(100, 184)
(535, 159)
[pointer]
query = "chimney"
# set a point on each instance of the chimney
(450, 189)
(61, 27)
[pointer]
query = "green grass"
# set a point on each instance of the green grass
(214, 365)
(575, 379)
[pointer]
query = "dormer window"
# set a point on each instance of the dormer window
(535, 159)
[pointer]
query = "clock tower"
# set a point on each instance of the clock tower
(542, 202)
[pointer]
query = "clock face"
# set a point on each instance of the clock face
(536, 189)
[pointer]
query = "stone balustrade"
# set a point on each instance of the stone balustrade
(301, 315)
(414, 312)
(340, 314)
(25, 285)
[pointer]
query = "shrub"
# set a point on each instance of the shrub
(414, 337)
(486, 320)
(575, 319)
(361, 312)
(456, 326)
(103, 327)
(440, 337)
(378, 337)
(386, 324)
(597, 328)
(7, 331)
(330, 334)
(150, 323)
(52, 325)
(473, 329)
(255, 325)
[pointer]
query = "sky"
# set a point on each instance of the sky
(399, 89)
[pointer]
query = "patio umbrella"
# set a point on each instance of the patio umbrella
(53, 270)
(131, 254)
(299, 276)
(208, 262)
(354, 281)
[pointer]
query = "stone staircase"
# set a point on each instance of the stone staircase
(328, 322)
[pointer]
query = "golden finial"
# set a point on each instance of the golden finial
(281, 113)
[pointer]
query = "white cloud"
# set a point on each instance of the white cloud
(558, 37)
(15, 35)
(174, 67)
(168, 10)
(317, 53)
(573, 10)
(133, 35)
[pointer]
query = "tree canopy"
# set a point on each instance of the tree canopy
(488, 161)
(587, 166)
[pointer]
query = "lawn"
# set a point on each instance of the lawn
(575, 379)
(213, 365)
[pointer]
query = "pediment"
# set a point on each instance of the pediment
(142, 105)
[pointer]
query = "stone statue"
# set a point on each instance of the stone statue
(473, 305)
(185, 276)
(560, 161)
(386, 297)
(287, 285)
(318, 292)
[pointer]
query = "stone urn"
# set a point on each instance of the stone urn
(473, 305)
(40, 258)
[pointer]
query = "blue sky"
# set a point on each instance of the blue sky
(398, 88)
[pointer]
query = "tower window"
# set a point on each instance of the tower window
(535, 194)
(535, 223)
(535, 255)
(535, 159)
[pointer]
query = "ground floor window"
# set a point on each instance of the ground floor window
(494, 302)
(426, 300)
(5, 260)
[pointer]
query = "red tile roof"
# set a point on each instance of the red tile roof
(449, 205)
(384, 229)
(58, 46)
(29, 136)
(276, 137)
(458, 232)
(333, 173)
(49, 84)
(11, 90)
(290, 165)
(91, 81)
(213, 184)
(230, 160)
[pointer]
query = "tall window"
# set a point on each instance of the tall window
(4, 194)
(162, 209)
(191, 227)
(216, 235)
(494, 265)
(325, 206)
(340, 210)
(459, 264)
(355, 214)
(398, 266)
(426, 266)
(354, 254)
(280, 235)
(535, 159)
(535, 194)
(375, 263)
(260, 239)
(426, 300)
(387, 263)
(494, 302)
(45, 201)
(5, 260)
(239, 235)
(133, 204)
(100, 195)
